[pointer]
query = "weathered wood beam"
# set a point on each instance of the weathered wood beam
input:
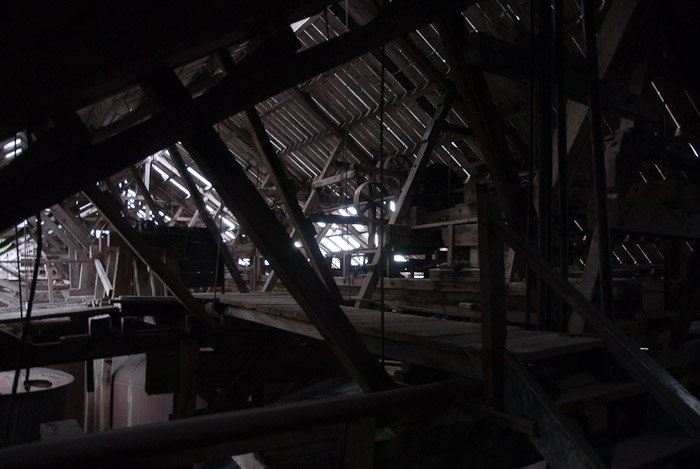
(208, 221)
(493, 302)
(430, 138)
(65, 237)
(485, 119)
(73, 226)
(617, 34)
(136, 177)
(305, 99)
(319, 183)
(302, 225)
(310, 204)
(588, 283)
(58, 178)
(109, 207)
(266, 232)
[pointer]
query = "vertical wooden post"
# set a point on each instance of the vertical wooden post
(104, 399)
(356, 444)
(49, 280)
(450, 243)
(493, 307)
(185, 396)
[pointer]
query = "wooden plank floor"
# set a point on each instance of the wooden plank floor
(444, 344)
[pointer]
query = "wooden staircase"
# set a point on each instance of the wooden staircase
(590, 413)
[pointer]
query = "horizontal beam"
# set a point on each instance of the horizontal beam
(67, 171)
(131, 444)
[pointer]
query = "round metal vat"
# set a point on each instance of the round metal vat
(41, 399)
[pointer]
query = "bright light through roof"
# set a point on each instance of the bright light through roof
(12, 144)
(295, 26)
(203, 180)
(180, 186)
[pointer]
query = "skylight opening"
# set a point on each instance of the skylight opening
(668, 109)
(12, 144)
(182, 188)
(162, 173)
(201, 178)
(298, 24)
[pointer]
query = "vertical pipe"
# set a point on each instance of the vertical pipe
(531, 161)
(561, 152)
(544, 139)
(598, 155)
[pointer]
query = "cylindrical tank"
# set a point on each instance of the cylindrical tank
(130, 403)
(43, 399)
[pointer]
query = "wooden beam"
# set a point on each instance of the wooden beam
(136, 177)
(185, 395)
(493, 302)
(55, 177)
(618, 33)
(302, 226)
(109, 207)
(430, 138)
(307, 101)
(485, 119)
(208, 221)
(588, 283)
(266, 232)
(310, 204)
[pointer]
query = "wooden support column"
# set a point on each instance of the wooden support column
(261, 225)
(493, 301)
(208, 221)
(430, 138)
(485, 119)
(618, 32)
(109, 207)
(588, 284)
(185, 395)
(356, 444)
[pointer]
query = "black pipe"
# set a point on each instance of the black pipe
(598, 155)
(561, 154)
(544, 132)
(110, 448)
(531, 160)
